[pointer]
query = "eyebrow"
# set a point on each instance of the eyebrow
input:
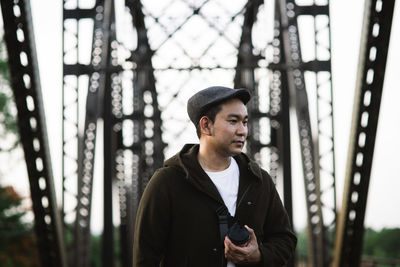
(237, 116)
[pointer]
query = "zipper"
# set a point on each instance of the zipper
(244, 194)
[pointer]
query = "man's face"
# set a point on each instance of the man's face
(229, 130)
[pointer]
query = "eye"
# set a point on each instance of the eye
(245, 123)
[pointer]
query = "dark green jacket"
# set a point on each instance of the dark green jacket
(176, 223)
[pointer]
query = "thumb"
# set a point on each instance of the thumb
(251, 232)
(249, 229)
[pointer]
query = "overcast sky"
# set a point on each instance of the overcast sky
(346, 19)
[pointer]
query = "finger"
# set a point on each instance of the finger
(236, 259)
(251, 232)
(236, 251)
(227, 241)
(231, 248)
(230, 245)
(226, 246)
(231, 256)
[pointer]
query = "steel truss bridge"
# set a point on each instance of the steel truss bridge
(128, 69)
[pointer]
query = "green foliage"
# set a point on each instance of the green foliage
(302, 245)
(8, 122)
(96, 257)
(7, 112)
(382, 244)
(17, 242)
(96, 251)
(10, 212)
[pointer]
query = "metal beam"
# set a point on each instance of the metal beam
(374, 44)
(25, 82)
(98, 72)
(146, 118)
(319, 69)
(94, 110)
(296, 83)
(108, 244)
(312, 10)
(244, 76)
(280, 117)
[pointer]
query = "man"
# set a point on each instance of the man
(179, 220)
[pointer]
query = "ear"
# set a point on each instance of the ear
(205, 125)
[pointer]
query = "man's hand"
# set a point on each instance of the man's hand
(249, 254)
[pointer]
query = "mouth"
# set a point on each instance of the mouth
(239, 142)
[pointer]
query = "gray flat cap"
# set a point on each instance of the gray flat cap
(200, 102)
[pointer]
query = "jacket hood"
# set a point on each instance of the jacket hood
(180, 159)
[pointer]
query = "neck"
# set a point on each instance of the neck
(211, 161)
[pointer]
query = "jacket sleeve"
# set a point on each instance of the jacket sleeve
(279, 241)
(152, 223)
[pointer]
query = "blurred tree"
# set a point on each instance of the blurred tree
(302, 245)
(17, 240)
(8, 122)
(382, 244)
(96, 249)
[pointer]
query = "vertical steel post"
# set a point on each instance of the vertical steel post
(375, 39)
(25, 82)
(291, 44)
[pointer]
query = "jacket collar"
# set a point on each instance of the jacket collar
(252, 166)
(250, 178)
(195, 173)
(186, 161)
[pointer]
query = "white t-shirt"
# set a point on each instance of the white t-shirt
(227, 183)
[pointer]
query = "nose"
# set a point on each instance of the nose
(242, 129)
